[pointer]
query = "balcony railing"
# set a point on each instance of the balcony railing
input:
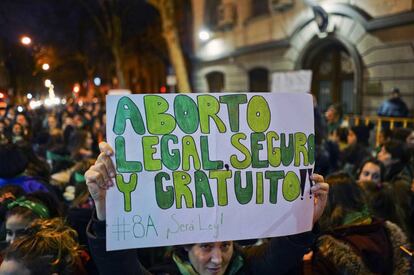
(379, 122)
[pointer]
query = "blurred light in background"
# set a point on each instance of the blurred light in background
(97, 81)
(48, 83)
(35, 104)
(29, 96)
(45, 67)
(20, 109)
(26, 40)
(76, 88)
(204, 35)
(1, 95)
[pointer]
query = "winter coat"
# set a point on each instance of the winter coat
(362, 249)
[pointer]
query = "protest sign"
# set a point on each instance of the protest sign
(209, 167)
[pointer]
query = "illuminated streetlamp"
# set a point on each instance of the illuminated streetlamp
(25, 40)
(48, 83)
(45, 67)
(204, 35)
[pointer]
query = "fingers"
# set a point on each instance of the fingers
(106, 148)
(320, 188)
(317, 178)
(109, 167)
(97, 176)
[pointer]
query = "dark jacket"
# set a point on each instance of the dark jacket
(361, 249)
(394, 107)
(278, 256)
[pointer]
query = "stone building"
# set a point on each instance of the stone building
(358, 50)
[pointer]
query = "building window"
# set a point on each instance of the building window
(259, 80)
(211, 15)
(215, 81)
(259, 7)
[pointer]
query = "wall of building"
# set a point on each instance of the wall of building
(377, 34)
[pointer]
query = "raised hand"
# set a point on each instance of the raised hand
(100, 177)
(320, 190)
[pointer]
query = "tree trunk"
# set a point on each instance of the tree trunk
(170, 33)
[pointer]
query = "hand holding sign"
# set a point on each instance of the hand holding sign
(99, 178)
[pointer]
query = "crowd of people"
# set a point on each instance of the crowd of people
(55, 170)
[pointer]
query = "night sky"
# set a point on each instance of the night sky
(65, 25)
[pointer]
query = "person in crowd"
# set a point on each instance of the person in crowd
(80, 145)
(18, 133)
(395, 158)
(4, 137)
(25, 209)
(357, 150)
(371, 170)
(353, 240)
(333, 117)
(393, 107)
(277, 256)
(48, 247)
(13, 165)
(384, 136)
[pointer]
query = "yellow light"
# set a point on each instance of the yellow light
(76, 88)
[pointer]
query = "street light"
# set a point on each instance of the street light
(45, 67)
(25, 40)
(48, 83)
(204, 35)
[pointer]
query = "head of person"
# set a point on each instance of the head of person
(17, 129)
(80, 140)
(393, 151)
(13, 161)
(207, 258)
(358, 134)
(22, 119)
(395, 92)
(52, 122)
(371, 170)
(405, 135)
(334, 113)
(384, 135)
(24, 210)
(49, 247)
(345, 198)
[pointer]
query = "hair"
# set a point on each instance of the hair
(377, 163)
(337, 107)
(77, 141)
(50, 246)
(46, 199)
(344, 197)
(401, 134)
(397, 149)
(382, 202)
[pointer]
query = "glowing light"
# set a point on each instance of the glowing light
(1, 95)
(45, 67)
(76, 88)
(29, 96)
(20, 109)
(63, 101)
(48, 83)
(35, 104)
(26, 40)
(97, 81)
(204, 35)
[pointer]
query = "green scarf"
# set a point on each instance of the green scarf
(358, 217)
(186, 267)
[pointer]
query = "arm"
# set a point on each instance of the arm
(284, 254)
(99, 178)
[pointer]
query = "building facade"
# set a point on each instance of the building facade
(357, 50)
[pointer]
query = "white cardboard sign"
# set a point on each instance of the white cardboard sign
(209, 167)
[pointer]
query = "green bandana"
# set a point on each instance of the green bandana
(36, 207)
(361, 217)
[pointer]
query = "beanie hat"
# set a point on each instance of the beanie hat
(13, 161)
